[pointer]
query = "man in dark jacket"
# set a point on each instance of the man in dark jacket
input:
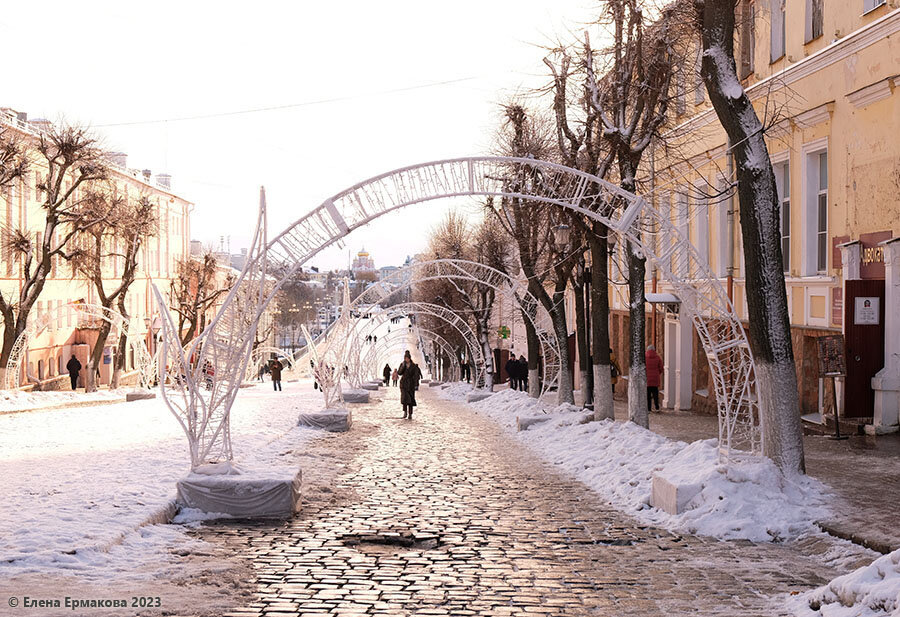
(74, 367)
(275, 368)
(512, 371)
(523, 373)
(386, 373)
(410, 374)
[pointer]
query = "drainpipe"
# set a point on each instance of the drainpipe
(729, 264)
(653, 271)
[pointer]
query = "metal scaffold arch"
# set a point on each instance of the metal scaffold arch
(452, 319)
(379, 352)
(261, 354)
(85, 315)
(702, 296)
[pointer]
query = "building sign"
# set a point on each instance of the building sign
(866, 310)
(837, 306)
(831, 355)
(871, 256)
(503, 332)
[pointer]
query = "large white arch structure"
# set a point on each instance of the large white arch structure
(378, 352)
(702, 296)
(143, 361)
(452, 319)
(470, 271)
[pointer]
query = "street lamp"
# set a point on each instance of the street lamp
(561, 236)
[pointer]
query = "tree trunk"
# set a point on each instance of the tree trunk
(93, 363)
(770, 328)
(637, 368)
(560, 330)
(482, 332)
(534, 352)
(581, 336)
(603, 396)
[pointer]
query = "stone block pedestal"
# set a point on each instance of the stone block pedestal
(332, 420)
(270, 493)
(670, 496)
(359, 395)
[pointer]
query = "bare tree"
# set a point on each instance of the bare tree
(770, 329)
(631, 98)
(530, 225)
(102, 250)
(194, 290)
(69, 160)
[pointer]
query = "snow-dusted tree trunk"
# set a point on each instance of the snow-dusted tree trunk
(560, 330)
(770, 329)
(603, 396)
(581, 334)
(637, 368)
(482, 332)
(534, 351)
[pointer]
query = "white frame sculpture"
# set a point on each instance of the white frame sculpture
(142, 359)
(702, 296)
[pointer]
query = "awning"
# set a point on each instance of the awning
(656, 298)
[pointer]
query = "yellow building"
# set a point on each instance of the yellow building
(46, 356)
(825, 79)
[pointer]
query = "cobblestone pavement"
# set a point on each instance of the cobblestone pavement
(447, 515)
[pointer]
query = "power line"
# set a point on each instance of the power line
(255, 110)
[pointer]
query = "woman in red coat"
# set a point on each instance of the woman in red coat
(654, 375)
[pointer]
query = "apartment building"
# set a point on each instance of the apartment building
(65, 333)
(825, 79)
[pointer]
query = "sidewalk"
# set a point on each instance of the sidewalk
(863, 472)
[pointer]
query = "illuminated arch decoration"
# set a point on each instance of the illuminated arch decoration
(143, 361)
(261, 354)
(397, 339)
(702, 296)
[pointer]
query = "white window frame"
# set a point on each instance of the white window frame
(780, 164)
(871, 5)
(777, 31)
(808, 29)
(809, 183)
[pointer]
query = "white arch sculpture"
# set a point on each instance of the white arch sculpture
(446, 315)
(379, 351)
(260, 354)
(470, 271)
(142, 359)
(702, 296)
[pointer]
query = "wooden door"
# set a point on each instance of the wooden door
(864, 340)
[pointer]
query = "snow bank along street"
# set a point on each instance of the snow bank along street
(78, 482)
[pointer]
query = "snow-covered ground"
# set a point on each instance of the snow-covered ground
(78, 482)
(17, 400)
(752, 501)
(870, 591)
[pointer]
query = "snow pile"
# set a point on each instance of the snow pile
(78, 481)
(456, 392)
(869, 591)
(16, 400)
(752, 501)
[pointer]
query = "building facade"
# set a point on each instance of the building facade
(66, 334)
(823, 77)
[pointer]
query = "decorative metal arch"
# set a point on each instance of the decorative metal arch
(260, 353)
(422, 333)
(470, 271)
(651, 231)
(446, 315)
(142, 359)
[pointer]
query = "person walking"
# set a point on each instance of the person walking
(654, 375)
(410, 374)
(512, 371)
(275, 368)
(386, 373)
(74, 367)
(614, 371)
(523, 373)
(394, 377)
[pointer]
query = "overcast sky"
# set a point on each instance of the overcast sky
(122, 66)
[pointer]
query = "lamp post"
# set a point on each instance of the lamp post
(561, 234)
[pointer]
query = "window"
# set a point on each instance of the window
(783, 181)
(747, 38)
(699, 87)
(814, 19)
(680, 88)
(871, 5)
(701, 221)
(822, 215)
(776, 35)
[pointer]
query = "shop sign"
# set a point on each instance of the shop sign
(837, 306)
(503, 332)
(871, 256)
(866, 310)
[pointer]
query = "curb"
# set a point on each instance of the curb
(879, 545)
(67, 405)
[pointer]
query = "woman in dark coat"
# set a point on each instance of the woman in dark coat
(386, 373)
(410, 374)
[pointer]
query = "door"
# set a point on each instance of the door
(864, 340)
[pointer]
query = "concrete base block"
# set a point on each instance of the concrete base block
(372, 387)
(474, 397)
(880, 429)
(670, 496)
(444, 386)
(270, 493)
(332, 420)
(523, 423)
(424, 381)
(435, 384)
(356, 396)
(139, 396)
